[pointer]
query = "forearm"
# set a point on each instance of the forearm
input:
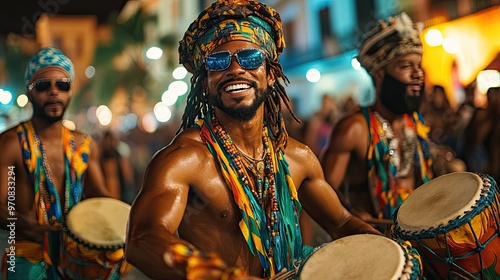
(177, 259)
(146, 251)
(25, 227)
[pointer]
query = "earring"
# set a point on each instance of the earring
(204, 96)
(273, 90)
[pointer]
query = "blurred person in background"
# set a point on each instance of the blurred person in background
(317, 132)
(378, 155)
(465, 112)
(440, 117)
(223, 199)
(118, 172)
(482, 137)
(52, 167)
(443, 122)
(320, 124)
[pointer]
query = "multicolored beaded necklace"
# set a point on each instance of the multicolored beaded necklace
(260, 187)
(268, 204)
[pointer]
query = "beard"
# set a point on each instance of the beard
(394, 96)
(241, 113)
(39, 111)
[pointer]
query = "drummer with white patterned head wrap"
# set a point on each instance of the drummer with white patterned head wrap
(381, 152)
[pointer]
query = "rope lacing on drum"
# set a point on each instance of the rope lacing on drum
(89, 246)
(488, 198)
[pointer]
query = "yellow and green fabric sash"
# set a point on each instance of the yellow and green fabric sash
(284, 250)
(47, 200)
(383, 173)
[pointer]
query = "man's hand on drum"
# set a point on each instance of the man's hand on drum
(29, 229)
(36, 233)
(363, 215)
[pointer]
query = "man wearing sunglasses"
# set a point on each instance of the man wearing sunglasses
(223, 200)
(46, 169)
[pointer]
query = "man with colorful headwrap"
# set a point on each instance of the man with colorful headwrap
(379, 154)
(223, 200)
(46, 169)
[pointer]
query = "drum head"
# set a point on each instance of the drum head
(439, 201)
(362, 256)
(99, 221)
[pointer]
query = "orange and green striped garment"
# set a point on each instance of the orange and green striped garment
(381, 171)
(47, 200)
(275, 252)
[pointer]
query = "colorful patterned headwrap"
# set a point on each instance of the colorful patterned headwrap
(48, 57)
(398, 36)
(231, 20)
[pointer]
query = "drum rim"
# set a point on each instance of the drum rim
(410, 255)
(84, 243)
(486, 199)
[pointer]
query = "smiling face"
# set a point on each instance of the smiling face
(50, 104)
(401, 84)
(408, 70)
(236, 91)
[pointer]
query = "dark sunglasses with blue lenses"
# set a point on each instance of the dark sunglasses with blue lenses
(45, 84)
(247, 58)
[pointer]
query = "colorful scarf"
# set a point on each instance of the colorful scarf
(230, 20)
(47, 200)
(381, 170)
(275, 251)
(48, 57)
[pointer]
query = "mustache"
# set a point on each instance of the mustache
(224, 84)
(52, 102)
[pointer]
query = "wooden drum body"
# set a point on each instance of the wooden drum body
(453, 221)
(93, 240)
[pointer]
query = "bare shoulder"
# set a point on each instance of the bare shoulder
(9, 142)
(303, 162)
(186, 146)
(297, 149)
(184, 159)
(350, 129)
(8, 134)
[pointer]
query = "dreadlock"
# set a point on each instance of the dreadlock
(197, 105)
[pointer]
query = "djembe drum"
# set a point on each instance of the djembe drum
(453, 221)
(93, 240)
(363, 256)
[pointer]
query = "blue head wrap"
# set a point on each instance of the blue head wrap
(48, 57)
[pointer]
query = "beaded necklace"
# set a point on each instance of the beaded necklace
(261, 187)
(254, 164)
(408, 143)
(269, 207)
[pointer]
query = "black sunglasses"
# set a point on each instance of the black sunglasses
(44, 84)
(247, 58)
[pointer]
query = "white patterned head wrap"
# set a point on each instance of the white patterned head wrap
(394, 37)
(48, 57)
